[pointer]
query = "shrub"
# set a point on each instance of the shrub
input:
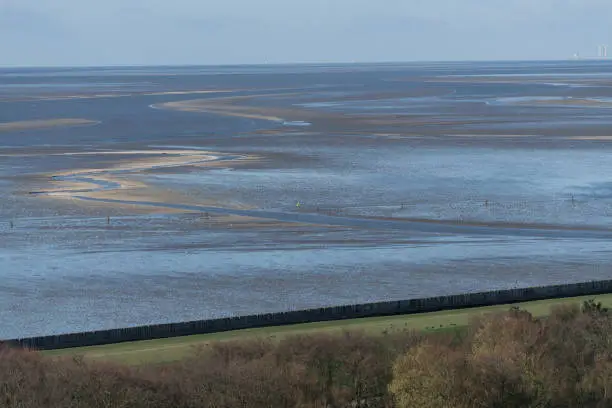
(502, 360)
(29, 380)
(325, 370)
(514, 360)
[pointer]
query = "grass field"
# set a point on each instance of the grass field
(173, 349)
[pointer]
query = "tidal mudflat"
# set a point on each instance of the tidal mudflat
(194, 192)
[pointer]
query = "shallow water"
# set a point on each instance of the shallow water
(342, 210)
(438, 183)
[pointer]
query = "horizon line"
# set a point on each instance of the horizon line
(299, 63)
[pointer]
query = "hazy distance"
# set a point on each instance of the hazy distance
(151, 32)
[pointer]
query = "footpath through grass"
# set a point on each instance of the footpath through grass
(173, 349)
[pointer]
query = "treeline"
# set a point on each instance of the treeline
(504, 360)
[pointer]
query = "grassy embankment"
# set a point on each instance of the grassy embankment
(174, 349)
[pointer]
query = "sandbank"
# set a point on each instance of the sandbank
(115, 182)
(44, 124)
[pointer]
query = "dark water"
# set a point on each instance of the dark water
(412, 180)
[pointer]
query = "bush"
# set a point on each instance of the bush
(28, 380)
(514, 360)
(324, 370)
(502, 360)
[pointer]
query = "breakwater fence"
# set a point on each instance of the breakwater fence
(336, 313)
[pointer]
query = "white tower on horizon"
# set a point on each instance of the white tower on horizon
(602, 51)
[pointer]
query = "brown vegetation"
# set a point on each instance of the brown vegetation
(501, 360)
(513, 360)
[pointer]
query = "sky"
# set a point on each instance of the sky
(162, 32)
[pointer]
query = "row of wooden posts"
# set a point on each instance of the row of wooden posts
(318, 210)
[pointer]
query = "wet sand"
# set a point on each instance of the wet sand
(115, 185)
(294, 190)
(569, 102)
(231, 106)
(205, 106)
(591, 138)
(43, 124)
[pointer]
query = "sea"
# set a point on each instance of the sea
(301, 186)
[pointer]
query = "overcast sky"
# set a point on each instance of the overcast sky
(124, 32)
